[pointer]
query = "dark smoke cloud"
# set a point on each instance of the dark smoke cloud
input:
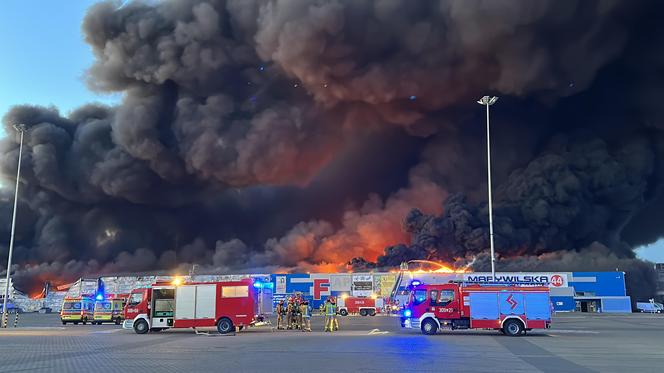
(576, 192)
(281, 135)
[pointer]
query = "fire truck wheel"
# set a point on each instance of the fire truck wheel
(224, 326)
(363, 312)
(118, 321)
(64, 323)
(513, 327)
(343, 313)
(372, 312)
(429, 327)
(141, 326)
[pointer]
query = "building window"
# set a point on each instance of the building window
(235, 291)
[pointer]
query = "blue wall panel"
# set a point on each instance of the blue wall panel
(563, 303)
(605, 284)
(616, 305)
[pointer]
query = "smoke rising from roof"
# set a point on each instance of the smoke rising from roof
(299, 134)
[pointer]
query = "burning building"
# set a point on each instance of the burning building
(276, 135)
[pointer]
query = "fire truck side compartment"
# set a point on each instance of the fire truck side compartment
(539, 307)
(186, 302)
(205, 301)
(484, 306)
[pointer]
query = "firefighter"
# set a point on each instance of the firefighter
(300, 320)
(300, 314)
(334, 315)
(331, 323)
(281, 312)
(296, 314)
(293, 313)
(305, 311)
(324, 308)
(289, 314)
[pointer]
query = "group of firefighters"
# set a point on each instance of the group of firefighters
(295, 313)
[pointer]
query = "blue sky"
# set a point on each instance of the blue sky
(44, 59)
(43, 54)
(653, 252)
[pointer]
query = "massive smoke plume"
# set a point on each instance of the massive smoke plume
(298, 134)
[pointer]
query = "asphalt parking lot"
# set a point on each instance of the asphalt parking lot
(576, 343)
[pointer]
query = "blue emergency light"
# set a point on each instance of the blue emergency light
(99, 297)
(416, 283)
(258, 284)
(407, 313)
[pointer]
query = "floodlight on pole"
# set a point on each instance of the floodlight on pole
(488, 101)
(20, 128)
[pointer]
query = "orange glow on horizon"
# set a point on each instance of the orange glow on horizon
(442, 268)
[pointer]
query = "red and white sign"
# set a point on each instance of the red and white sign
(557, 281)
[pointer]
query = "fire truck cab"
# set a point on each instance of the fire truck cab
(511, 309)
(226, 305)
(75, 310)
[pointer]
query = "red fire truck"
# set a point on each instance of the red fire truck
(363, 305)
(226, 305)
(512, 309)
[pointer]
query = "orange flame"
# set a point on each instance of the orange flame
(36, 295)
(442, 268)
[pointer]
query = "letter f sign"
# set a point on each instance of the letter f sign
(321, 285)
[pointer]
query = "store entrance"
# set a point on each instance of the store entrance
(588, 305)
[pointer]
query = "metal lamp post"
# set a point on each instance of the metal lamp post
(488, 101)
(21, 130)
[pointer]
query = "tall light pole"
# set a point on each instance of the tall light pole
(488, 101)
(20, 128)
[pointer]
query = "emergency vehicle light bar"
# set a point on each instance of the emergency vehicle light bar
(263, 285)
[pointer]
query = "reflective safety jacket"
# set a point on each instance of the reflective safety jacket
(330, 309)
(304, 310)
